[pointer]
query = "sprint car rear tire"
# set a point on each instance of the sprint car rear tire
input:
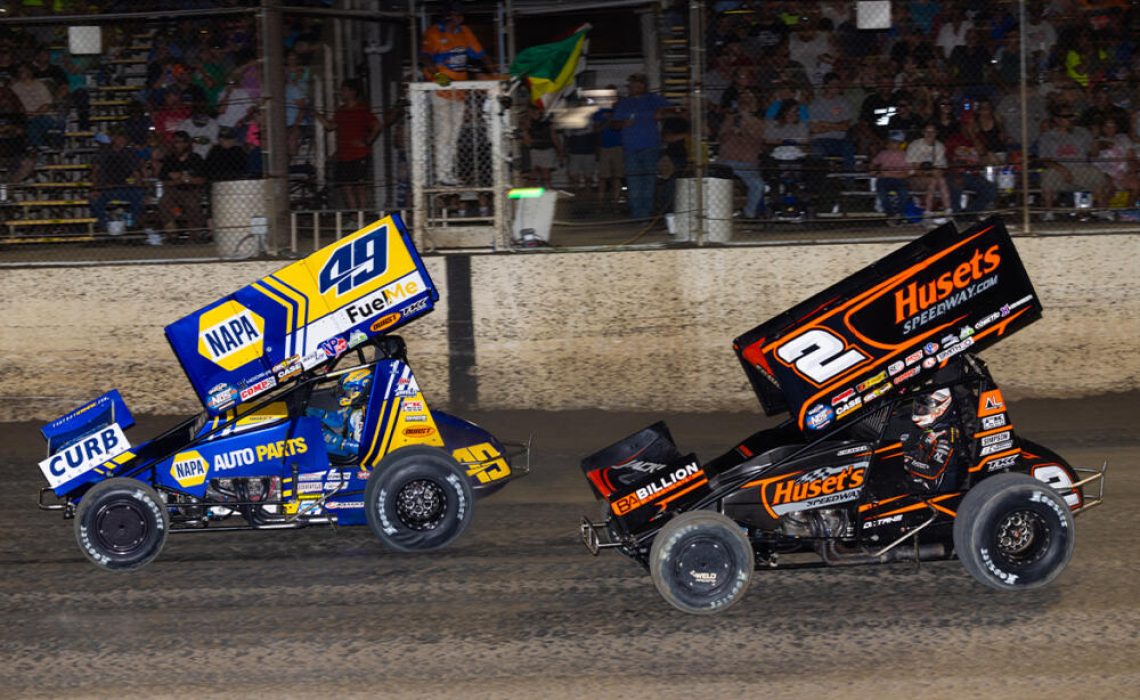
(1013, 532)
(121, 524)
(418, 499)
(701, 562)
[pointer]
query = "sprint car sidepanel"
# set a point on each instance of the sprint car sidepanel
(889, 325)
(272, 451)
(303, 315)
(825, 476)
(398, 414)
(479, 453)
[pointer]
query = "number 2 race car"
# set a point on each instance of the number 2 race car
(899, 445)
(312, 416)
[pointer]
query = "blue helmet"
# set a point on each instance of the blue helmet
(355, 385)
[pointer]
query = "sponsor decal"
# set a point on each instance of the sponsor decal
(288, 368)
(189, 469)
(949, 340)
(909, 374)
(1001, 463)
(415, 307)
(842, 396)
(870, 381)
(413, 406)
(966, 332)
(930, 348)
(986, 320)
(222, 396)
(658, 487)
(991, 422)
(313, 359)
(996, 447)
(819, 487)
(955, 349)
(876, 393)
(310, 487)
(264, 385)
(914, 357)
(851, 451)
(895, 367)
(379, 301)
(851, 405)
(997, 437)
(415, 419)
(920, 296)
(281, 448)
(419, 431)
(929, 362)
(84, 455)
(883, 521)
(407, 387)
(384, 322)
(990, 403)
(333, 347)
(231, 335)
(819, 416)
(356, 337)
(235, 458)
(341, 505)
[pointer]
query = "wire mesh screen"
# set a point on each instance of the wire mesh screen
(459, 158)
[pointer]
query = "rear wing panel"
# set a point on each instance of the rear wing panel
(308, 313)
(892, 323)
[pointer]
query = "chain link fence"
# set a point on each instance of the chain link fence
(153, 136)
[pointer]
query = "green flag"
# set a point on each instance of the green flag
(550, 69)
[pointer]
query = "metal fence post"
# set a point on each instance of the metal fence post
(276, 158)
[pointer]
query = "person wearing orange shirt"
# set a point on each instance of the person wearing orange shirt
(447, 51)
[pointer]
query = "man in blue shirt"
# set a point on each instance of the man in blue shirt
(637, 116)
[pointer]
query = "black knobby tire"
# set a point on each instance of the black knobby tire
(1014, 532)
(121, 524)
(701, 562)
(418, 499)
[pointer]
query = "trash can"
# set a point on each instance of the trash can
(237, 206)
(534, 215)
(716, 213)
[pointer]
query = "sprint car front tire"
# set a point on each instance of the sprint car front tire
(418, 499)
(121, 524)
(1014, 532)
(701, 562)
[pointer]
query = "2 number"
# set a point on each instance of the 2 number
(819, 355)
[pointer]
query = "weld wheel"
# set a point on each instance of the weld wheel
(701, 562)
(418, 499)
(1014, 532)
(121, 524)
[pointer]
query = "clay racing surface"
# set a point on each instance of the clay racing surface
(518, 608)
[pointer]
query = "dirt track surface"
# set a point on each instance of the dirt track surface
(518, 608)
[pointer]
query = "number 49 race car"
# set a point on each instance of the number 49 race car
(312, 417)
(899, 445)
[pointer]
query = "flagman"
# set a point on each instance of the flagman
(447, 51)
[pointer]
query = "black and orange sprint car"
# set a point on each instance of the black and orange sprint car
(898, 445)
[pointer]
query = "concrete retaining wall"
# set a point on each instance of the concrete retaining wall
(620, 331)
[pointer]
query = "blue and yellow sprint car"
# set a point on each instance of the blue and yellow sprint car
(312, 415)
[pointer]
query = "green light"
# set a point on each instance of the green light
(525, 192)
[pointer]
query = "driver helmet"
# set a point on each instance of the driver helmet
(354, 385)
(930, 407)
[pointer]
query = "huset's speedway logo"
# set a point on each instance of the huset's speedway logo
(818, 487)
(230, 335)
(917, 296)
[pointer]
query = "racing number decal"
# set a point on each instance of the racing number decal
(483, 462)
(1059, 479)
(819, 355)
(352, 265)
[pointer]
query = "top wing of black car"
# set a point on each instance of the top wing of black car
(828, 358)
